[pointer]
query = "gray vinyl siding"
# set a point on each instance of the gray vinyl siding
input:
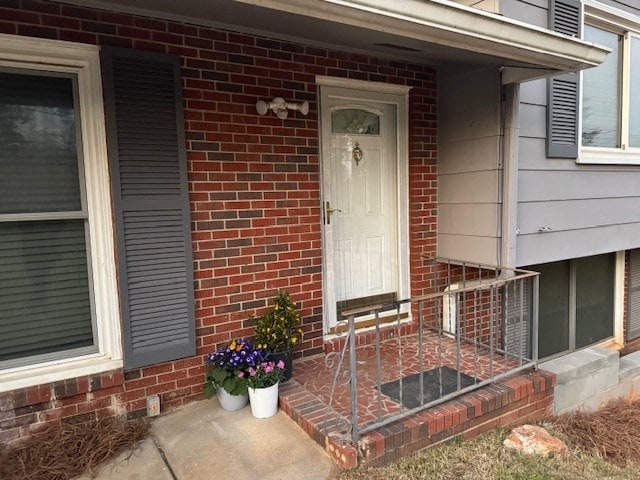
(631, 6)
(469, 173)
(586, 209)
(534, 12)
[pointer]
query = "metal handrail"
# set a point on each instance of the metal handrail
(488, 309)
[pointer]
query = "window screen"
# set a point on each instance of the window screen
(601, 93)
(45, 305)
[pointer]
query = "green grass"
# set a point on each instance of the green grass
(484, 458)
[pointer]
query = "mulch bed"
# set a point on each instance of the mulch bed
(613, 432)
(69, 450)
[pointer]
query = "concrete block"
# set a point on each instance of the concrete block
(630, 366)
(569, 396)
(603, 397)
(582, 363)
(606, 377)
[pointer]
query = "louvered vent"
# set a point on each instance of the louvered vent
(565, 17)
(517, 326)
(633, 313)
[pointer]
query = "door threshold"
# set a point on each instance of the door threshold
(369, 323)
(390, 327)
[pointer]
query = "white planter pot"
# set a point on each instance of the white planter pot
(231, 402)
(264, 401)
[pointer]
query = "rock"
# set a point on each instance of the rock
(533, 440)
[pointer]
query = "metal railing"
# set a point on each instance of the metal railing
(478, 324)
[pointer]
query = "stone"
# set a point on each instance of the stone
(534, 440)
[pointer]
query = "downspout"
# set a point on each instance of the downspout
(510, 140)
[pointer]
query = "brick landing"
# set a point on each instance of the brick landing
(521, 398)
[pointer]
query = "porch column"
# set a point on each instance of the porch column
(511, 133)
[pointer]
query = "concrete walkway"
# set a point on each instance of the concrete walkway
(202, 441)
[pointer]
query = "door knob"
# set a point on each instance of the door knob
(328, 211)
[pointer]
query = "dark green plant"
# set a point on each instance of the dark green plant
(278, 330)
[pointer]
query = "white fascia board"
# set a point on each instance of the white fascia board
(447, 23)
(597, 12)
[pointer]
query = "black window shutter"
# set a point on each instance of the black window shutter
(633, 295)
(565, 16)
(145, 128)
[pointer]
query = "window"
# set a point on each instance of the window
(45, 306)
(611, 95)
(601, 95)
(576, 304)
(58, 302)
(355, 121)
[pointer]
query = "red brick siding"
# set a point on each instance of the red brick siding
(254, 190)
(520, 399)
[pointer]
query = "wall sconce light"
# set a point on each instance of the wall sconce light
(280, 107)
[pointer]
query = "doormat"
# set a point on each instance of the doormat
(431, 384)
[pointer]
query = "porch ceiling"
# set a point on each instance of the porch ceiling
(433, 31)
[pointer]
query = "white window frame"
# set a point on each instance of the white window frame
(627, 25)
(83, 61)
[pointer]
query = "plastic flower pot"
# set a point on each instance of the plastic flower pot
(231, 402)
(264, 401)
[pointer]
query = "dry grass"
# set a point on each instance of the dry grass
(603, 445)
(68, 450)
(613, 432)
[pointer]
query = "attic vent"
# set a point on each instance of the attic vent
(397, 47)
(565, 17)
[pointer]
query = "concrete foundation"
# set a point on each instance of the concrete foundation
(589, 378)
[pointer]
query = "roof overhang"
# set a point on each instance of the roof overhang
(425, 31)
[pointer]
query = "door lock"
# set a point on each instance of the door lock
(328, 211)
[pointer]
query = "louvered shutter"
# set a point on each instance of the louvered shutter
(145, 125)
(633, 295)
(565, 16)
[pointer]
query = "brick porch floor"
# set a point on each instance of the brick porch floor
(305, 398)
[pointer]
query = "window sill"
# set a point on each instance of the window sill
(54, 371)
(609, 156)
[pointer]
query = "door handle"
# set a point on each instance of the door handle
(328, 211)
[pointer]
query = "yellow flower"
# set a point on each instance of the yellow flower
(233, 345)
(294, 340)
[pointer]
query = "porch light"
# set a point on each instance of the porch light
(280, 107)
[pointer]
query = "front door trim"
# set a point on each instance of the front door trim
(397, 95)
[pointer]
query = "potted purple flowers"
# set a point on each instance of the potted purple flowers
(227, 373)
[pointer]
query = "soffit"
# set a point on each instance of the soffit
(423, 31)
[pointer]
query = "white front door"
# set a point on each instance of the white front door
(360, 200)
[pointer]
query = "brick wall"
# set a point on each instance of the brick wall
(254, 184)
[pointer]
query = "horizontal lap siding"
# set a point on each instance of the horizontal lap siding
(469, 174)
(589, 209)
